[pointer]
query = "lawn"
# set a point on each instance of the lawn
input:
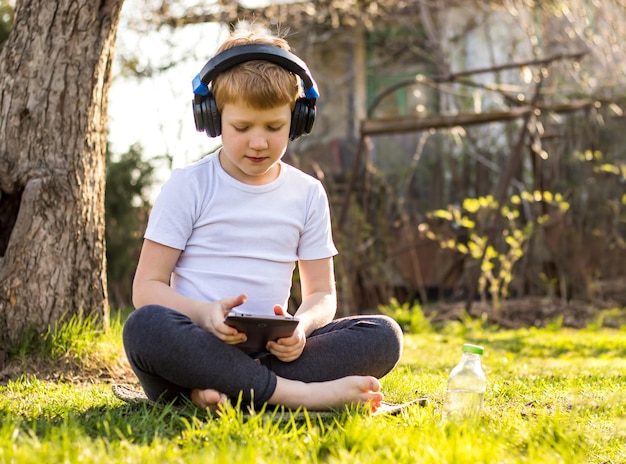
(554, 395)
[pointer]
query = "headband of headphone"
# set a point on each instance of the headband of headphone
(206, 114)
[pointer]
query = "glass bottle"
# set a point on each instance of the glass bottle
(466, 387)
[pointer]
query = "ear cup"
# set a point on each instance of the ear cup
(212, 116)
(198, 117)
(302, 118)
(206, 115)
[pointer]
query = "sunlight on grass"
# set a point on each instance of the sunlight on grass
(554, 396)
(78, 344)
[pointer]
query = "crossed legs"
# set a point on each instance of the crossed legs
(340, 365)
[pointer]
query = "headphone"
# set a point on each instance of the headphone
(206, 115)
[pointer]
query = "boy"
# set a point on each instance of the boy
(225, 233)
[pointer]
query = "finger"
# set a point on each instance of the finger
(224, 331)
(277, 350)
(282, 345)
(285, 356)
(289, 344)
(230, 303)
(284, 353)
(279, 310)
(234, 339)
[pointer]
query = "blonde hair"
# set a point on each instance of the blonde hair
(260, 84)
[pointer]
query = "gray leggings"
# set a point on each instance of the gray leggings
(171, 355)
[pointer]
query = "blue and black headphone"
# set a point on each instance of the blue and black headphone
(205, 112)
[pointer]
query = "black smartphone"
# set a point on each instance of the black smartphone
(261, 328)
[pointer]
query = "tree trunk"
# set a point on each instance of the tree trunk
(55, 73)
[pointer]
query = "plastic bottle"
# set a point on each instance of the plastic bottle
(466, 387)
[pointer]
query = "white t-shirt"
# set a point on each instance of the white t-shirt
(238, 238)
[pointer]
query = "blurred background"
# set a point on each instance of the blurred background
(473, 151)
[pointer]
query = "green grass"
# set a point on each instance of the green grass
(554, 396)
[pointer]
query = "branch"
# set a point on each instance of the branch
(456, 77)
(441, 121)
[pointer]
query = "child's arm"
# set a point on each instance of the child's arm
(319, 305)
(319, 297)
(152, 286)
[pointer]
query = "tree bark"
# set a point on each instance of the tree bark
(55, 73)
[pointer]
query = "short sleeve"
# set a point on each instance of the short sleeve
(173, 214)
(316, 241)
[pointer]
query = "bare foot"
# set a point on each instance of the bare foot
(334, 394)
(208, 399)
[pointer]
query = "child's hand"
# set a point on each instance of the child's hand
(289, 348)
(214, 321)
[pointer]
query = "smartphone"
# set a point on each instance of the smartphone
(261, 328)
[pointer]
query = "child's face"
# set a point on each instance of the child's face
(254, 141)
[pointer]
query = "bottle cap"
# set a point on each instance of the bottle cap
(469, 348)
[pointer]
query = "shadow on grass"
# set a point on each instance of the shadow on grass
(136, 423)
(144, 424)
